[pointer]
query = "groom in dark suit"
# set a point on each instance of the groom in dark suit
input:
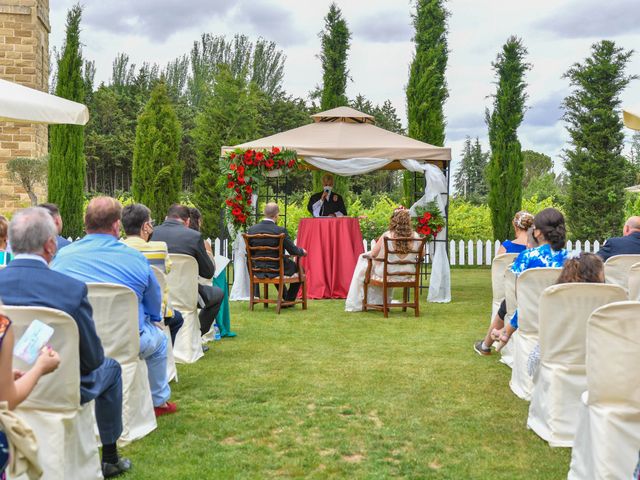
(269, 225)
(28, 281)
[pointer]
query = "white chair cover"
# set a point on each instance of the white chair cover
(560, 379)
(172, 371)
(183, 293)
(634, 282)
(616, 269)
(499, 267)
(63, 428)
(506, 354)
(115, 312)
(608, 438)
(530, 285)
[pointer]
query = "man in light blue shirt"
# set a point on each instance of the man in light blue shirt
(100, 257)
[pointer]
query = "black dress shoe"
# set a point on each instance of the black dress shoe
(110, 470)
(205, 348)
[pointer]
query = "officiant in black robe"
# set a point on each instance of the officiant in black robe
(327, 203)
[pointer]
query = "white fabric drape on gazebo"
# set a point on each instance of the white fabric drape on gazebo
(345, 142)
(23, 104)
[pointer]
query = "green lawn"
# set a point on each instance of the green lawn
(325, 394)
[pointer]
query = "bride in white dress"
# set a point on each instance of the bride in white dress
(399, 226)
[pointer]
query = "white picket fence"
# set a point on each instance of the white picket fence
(461, 252)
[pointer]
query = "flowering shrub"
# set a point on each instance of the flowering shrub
(245, 171)
(429, 220)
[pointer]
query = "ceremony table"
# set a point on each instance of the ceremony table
(333, 245)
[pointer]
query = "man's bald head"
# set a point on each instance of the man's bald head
(102, 215)
(631, 225)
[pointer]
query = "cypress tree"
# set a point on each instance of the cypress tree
(427, 88)
(505, 170)
(67, 164)
(335, 42)
(157, 172)
(595, 164)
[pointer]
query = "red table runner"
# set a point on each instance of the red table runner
(333, 246)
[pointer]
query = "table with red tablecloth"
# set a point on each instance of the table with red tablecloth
(333, 245)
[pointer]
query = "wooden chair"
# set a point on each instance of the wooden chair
(394, 276)
(261, 260)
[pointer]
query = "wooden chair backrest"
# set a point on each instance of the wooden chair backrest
(259, 253)
(413, 257)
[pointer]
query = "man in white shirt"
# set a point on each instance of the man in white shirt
(327, 203)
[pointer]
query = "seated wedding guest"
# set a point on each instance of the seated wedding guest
(629, 243)
(522, 222)
(53, 210)
(99, 257)
(5, 255)
(550, 233)
(28, 281)
(326, 203)
(400, 226)
(578, 268)
(175, 232)
(269, 225)
(138, 227)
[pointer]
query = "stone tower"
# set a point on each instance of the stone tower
(24, 59)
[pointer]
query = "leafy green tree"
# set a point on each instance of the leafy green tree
(505, 170)
(67, 164)
(335, 41)
(229, 116)
(469, 181)
(536, 165)
(595, 163)
(427, 88)
(157, 173)
(28, 172)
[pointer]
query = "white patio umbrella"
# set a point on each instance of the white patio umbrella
(23, 104)
(631, 117)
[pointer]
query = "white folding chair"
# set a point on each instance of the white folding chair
(183, 293)
(608, 437)
(634, 282)
(172, 372)
(506, 353)
(560, 379)
(530, 285)
(67, 446)
(115, 312)
(616, 269)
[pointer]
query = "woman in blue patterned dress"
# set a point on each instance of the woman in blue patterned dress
(550, 232)
(15, 386)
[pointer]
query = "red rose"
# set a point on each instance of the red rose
(229, 202)
(232, 166)
(427, 216)
(427, 230)
(229, 176)
(248, 161)
(280, 163)
(259, 156)
(241, 180)
(422, 221)
(248, 201)
(248, 189)
(242, 218)
(238, 197)
(269, 163)
(236, 211)
(233, 155)
(291, 163)
(231, 185)
(240, 170)
(275, 150)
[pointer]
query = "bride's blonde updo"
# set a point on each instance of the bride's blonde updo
(400, 226)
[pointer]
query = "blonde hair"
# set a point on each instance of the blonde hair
(523, 220)
(400, 226)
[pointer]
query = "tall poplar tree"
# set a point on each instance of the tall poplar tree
(67, 164)
(335, 42)
(157, 172)
(596, 167)
(427, 88)
(505, 170)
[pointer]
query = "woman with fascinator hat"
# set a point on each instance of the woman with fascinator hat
(400, 226)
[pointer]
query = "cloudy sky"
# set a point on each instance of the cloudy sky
(557, 33)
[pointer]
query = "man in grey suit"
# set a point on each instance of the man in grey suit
(175, 232)
(269, 226)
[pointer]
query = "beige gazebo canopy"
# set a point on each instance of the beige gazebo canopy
(344, 133)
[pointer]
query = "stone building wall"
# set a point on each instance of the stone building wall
(24, 59)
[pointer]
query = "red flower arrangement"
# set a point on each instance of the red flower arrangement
(429, 221)
(245, 170)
